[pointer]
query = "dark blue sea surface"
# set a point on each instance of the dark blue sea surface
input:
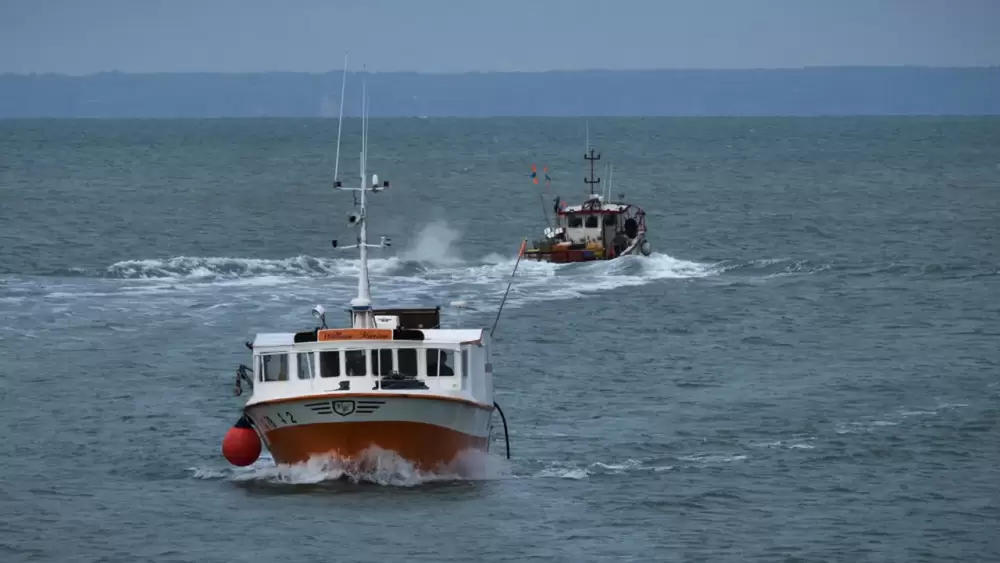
(806, 369)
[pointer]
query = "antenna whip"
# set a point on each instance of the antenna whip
(340, 122)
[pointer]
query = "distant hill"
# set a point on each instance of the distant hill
(791, 92)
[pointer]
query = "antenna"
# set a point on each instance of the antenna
(364, 130)
(611, 172)
(340, 123)
(366, 108)
(608, 174)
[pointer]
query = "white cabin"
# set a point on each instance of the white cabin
(452, 362)
(594, 221)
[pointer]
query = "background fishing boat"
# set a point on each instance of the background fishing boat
(596, 229)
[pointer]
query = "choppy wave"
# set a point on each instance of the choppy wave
(381, 467)
(374, 466)
(195, 268)
(481, 282)
(431, 269)
(568, 470)
(425, 258)
(415, 277)
(771, 267)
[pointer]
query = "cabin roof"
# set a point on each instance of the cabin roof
(603, 208)
(267, 339)
(453, 335)
(431, 336)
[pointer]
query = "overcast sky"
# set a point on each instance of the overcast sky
(85, 36)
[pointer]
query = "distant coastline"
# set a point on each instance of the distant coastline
(811, 91)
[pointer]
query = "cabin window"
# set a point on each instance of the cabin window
(356, 362)
(610, 220)
(275, 367)
(466, 362)
(592, 221)
(440, 362)
(382, 361)
(329, 364)
(407, 362)
(305, 365)
(574, 221)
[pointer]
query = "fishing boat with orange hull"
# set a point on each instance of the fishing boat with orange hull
(393, 380)
(596, 229)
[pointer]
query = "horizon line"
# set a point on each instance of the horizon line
(480, 72)
(527, 116)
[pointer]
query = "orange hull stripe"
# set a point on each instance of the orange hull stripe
(424, 445)
(342, 395)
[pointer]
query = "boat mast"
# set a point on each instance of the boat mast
(589, 155)
(361, 306)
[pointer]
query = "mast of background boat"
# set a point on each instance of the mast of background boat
(589, 155)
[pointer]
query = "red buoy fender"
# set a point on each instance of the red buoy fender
(241, 446)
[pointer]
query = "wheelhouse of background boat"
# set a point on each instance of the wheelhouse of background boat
(590, 224)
